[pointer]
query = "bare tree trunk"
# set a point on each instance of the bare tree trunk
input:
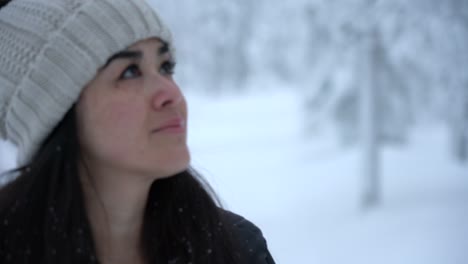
(369, 114)
(240, 61)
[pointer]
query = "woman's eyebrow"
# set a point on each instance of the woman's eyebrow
(125, 54)
(129, 54)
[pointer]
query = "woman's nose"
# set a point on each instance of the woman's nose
(164, 92)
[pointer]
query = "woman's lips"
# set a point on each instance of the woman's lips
(173, 126)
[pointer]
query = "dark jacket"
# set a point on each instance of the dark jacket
(253, 244)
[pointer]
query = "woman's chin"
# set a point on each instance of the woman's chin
(173, 170)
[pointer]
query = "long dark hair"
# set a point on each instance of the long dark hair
(43, 217)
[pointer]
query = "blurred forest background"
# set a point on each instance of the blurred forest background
(412, 54)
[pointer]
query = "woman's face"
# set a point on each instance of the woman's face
(132, 116)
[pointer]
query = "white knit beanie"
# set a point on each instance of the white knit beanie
(50, 49)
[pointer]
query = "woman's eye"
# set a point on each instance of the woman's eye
(130, 72)
(167, 68)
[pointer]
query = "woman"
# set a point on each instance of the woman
(88, 97)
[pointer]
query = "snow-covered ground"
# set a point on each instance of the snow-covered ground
(304, 193)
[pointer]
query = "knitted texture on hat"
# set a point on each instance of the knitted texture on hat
(50, 49)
